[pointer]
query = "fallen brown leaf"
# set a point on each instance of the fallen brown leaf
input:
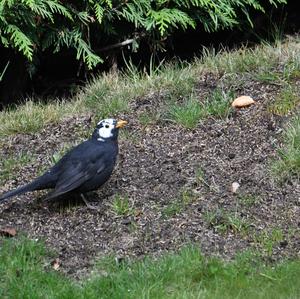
(8, 232)
(56, 264)
(138, 213)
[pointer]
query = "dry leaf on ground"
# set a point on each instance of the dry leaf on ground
(8, 232)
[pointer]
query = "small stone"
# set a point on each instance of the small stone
(234, 187)
(55, 264)
(126, 221)
(283, 243)
(231, 156)
(271, 126)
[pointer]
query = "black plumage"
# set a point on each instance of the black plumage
(85, 168)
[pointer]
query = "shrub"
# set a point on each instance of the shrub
(33, 26)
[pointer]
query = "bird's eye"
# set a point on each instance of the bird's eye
(106, 126)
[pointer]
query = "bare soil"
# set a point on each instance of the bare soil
(158, 163)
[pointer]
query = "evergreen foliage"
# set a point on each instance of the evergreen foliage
(32, 26)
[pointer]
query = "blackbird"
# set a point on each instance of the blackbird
(84, 168)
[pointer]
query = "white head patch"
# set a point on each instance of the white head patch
(107, 125)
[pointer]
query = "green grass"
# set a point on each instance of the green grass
(10, 166)
(225, 222)
(178, 204)
(200, 176)
(121, 206)
(218, 103)
(277, 63)
(111, 94)
(288, 163)
(287, 100)
(26, 272)
(248, 200)
(106, 97)
(24, 275)
(191, 111)
(130, 136)
(31, 117)
(267, 240)
(201, 180)
(187, 114)
(149, 118)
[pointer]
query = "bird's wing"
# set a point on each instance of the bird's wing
(76, 174)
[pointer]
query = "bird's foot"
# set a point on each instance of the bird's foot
(88, 204)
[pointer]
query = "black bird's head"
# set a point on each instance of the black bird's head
(108, 129)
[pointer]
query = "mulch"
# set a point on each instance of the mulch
(157, 164)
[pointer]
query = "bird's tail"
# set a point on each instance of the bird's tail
(20, 190)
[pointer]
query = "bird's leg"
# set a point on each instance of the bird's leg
(87, 203)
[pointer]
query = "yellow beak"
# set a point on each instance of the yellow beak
(121, 123)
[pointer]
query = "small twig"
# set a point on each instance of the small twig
(117, 45)
(267, 276)
(3, 72)
(87, 203)
(79, 68)
(121, 44)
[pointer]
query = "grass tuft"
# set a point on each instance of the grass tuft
(288, 163)
(218, 103)
(30, 117)
(277, 63)
(179, 204)
(121, 205)
(266, 241)
(106, 96)
(188, 114)
(193, 110)
(224, 222)
(148, 118)
(248, 200)
(287, 100)
(10, 166)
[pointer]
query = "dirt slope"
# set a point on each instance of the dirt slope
(170, 203)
